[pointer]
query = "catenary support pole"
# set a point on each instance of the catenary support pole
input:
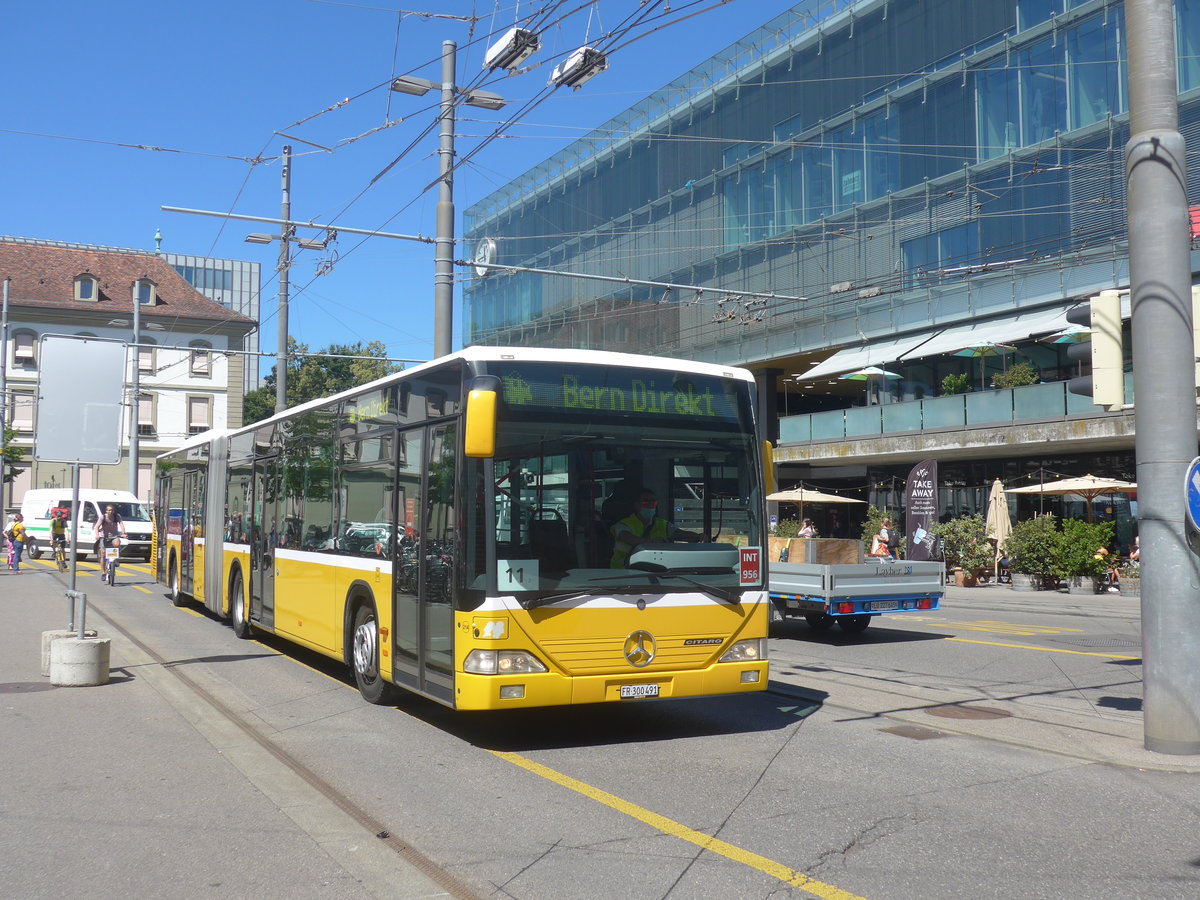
(135, 450)
(1164, 380)
(4, 491)
(443, 279)
(285, 262)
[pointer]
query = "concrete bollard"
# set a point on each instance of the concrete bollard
(48, 638)
(76, 663)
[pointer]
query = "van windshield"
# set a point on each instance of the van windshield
(130, 512)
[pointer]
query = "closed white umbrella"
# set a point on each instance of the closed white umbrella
(999, 524)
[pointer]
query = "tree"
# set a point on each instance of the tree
(316, 375)
(12, 456)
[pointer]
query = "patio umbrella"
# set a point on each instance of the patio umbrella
(982, 350)
(999, 524)
(1072, 334)
(802, 495)
(869, 374)
(1087, 486)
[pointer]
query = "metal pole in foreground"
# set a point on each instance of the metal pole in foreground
(135, 451)
(443, 279)
(285, 252)
(1164, 380)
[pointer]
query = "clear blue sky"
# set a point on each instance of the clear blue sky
(88, 81)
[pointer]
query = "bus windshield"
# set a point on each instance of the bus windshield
(581, 448)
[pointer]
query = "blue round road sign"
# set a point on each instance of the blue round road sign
(1191, 490)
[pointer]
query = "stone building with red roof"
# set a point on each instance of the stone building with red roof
(189, 352)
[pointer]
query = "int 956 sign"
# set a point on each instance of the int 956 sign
(749, 566)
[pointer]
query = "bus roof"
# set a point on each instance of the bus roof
(486, 354)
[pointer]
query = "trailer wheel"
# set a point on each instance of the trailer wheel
(819, 621)
(854, 624)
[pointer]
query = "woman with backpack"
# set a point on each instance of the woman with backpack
(16, 542)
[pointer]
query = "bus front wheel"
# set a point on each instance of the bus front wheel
(237, 607)
(365, 658)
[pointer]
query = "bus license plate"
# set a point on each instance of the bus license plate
(636, 691)
(883, 604)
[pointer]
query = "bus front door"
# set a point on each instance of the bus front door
(264, 538)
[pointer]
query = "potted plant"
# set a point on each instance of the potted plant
(966, 549)
(1129, 579)
(1016, 375)
(1030, 549)
(1076, 560)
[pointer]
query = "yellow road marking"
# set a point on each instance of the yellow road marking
(1004, 627)
(667, 826)
(138, 587)
(1044, 649)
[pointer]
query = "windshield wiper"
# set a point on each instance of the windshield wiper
(553, 598)
(654, 570)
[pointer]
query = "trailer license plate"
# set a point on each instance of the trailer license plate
(635, 691)
(883, 604)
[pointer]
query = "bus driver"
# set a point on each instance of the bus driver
(644, 526)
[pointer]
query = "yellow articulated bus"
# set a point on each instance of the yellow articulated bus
(498, 528)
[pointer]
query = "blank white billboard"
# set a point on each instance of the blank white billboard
(79, 400)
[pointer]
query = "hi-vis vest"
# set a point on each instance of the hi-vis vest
(658, 531)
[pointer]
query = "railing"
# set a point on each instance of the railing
(1035, 402)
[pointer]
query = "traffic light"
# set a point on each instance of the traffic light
(1105, 350)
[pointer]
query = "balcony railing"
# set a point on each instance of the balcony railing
(1032, 403)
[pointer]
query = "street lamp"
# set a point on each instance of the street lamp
(443, 279)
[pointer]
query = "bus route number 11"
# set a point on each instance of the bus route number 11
(518, 574)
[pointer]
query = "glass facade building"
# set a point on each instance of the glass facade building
(234, 283)
(907, 167)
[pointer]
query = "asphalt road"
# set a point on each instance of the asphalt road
(948, 756)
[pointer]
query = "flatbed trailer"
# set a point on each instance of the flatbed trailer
(850, 594)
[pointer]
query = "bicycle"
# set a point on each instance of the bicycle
(60, 554)
(109, 556)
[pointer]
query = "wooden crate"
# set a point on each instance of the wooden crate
(825, 551)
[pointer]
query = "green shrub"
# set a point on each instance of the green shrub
(956, 384)
(1016, 375)
(965, 543)
(1075, 549)
(1030, 547)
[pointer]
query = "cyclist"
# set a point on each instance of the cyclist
(58, 536)
(107, 530)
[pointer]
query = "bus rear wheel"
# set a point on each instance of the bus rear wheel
(237, 607)
(365, 658)
(177, 598)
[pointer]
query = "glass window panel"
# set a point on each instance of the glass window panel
(883, 155)
(1092, 52)
(817, 165)
(1043, 93)
(996, 110)
(789, 192)
(1187, 23)
(848, 165)
(1035, 12)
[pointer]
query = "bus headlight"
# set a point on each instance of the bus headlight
(502, 662)
(746, 651)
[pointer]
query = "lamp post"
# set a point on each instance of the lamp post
(443, 279)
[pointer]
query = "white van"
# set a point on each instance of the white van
(40, 503)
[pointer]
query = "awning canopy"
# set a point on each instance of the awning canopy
(938, 341)
(861, 356)
(1014, 328)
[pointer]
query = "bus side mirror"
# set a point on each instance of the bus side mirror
(768, 464)
(482, 402)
